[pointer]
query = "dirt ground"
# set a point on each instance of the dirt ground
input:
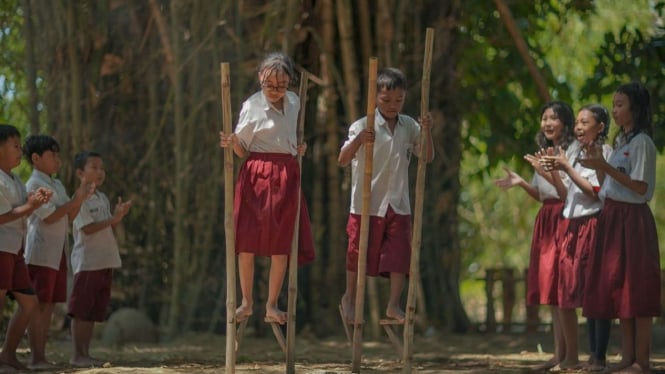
(439, 353)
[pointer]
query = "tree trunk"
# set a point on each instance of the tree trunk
(30, 68)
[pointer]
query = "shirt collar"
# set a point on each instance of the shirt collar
(380, 121)
(40, 174)
(288, 99)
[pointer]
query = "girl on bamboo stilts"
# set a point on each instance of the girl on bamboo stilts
(624, 279)
(267, 188)
(556, 130)
(581, 210)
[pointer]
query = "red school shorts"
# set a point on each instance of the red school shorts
(389, 246)
(50, 285)
(90, 295)
(14, 274)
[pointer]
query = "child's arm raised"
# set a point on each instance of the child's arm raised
(35, 199)
(121, 210)
(513, 179)
(72, 207)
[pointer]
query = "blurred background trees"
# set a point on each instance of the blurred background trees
(138, 81)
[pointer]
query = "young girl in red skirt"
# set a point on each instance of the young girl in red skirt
(556, 130)
(624, 279)
(581, 211)
(268, 185)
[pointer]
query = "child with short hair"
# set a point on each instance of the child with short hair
(94, 257)
(46, 239)
(15, 205)
(396, 137)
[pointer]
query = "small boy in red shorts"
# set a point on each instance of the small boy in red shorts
(396, 137)
(46, 239)
(15, 205)
(94, 256)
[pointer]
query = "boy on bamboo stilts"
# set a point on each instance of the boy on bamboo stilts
(396, 137)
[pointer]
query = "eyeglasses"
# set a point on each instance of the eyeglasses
(279, 88)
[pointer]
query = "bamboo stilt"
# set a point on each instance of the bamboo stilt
(364, 222)
(293, 259)
(414, 272)
(229, 230)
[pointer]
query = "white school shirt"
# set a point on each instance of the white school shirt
(390, 165)
(263, 128)
(546, 190)
(579, 204)
(45, 242)
(99, 250)
(636, 159)
(12, 194)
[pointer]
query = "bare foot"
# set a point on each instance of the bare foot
(348, 309)
(618, 368)
(394, 312)
(570, 366)
(243, 312)
(552, 362)
(635, 368)
(273, 314)
(11, 361)
(82, 362)
(41, 365)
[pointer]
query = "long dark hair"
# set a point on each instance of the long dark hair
(565, 115)
(640, 109)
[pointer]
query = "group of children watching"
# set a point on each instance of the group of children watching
(595, 244)
(34, 223)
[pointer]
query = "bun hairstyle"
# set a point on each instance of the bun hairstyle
(601, 115)
(277, 61)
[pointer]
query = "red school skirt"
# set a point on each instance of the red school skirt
(542, 278)
(575, 245)
(265, 206)
(624, 267)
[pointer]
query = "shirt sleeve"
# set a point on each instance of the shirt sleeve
(245, 127)
(44, 210)
(5, 205)
(642, 159)
(84, 217)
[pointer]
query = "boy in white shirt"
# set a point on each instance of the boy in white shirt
(46, 239)
(395, 136)
(15, 205)
(94, 257)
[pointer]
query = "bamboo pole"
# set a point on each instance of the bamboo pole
(364, 221)
(229, 230)
(293, 259)
(414, 272)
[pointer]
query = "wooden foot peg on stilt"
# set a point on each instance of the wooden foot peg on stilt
(240, 332)
(279, 335)
(346, 324)
(391, 325)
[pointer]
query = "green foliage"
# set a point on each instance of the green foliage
(622, 41)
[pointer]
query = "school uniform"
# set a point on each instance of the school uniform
(266, 192)
(13, 271)
(624, 279)
(93, 259)
(389, 246)
(45, 243)
(577, 242)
